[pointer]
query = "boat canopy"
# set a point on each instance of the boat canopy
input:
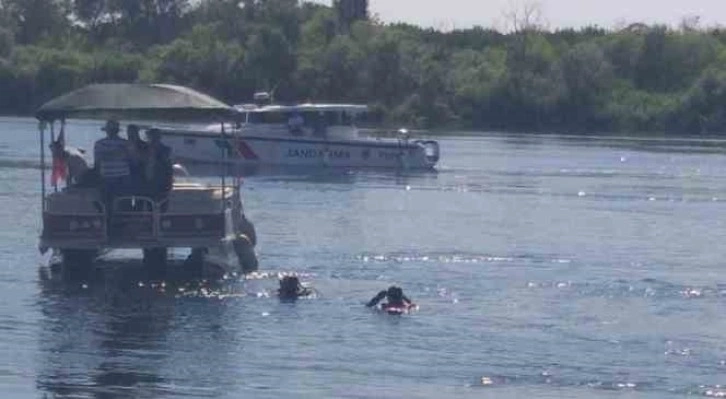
(130, 101)
(349, 108)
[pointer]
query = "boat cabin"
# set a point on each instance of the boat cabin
(304, 120)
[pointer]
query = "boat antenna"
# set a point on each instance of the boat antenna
(272, 92)
(265, 97)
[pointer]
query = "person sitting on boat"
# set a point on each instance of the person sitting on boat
(295, 124)
(320, 127)
(112, 162)
(159, 168)
(74, 161)
(291, 289)
(394, 296)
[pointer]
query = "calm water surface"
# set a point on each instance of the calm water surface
(551, 266)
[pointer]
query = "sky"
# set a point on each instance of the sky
(459, 14)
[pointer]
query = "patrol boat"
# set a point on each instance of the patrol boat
(307, 135)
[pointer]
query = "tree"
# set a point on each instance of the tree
(147, 22)
(282, 15)
(7, 42)
(200, 60)
(92, 12)
(37, 19)
(702, 108)
(228, 16)
(587, 77)
(623, 51)
(383, 76)
(350, 11)
(639, 78)
(475, 77)
(269, 59)
(651, 71)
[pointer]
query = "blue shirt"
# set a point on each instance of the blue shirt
(111, 156)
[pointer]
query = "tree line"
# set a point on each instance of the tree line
(640, 78)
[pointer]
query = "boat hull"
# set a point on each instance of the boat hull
(256, 150)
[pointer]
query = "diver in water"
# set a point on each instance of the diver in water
(395, 297)
(291, 289)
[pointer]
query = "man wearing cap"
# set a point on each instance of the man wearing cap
(112, 160)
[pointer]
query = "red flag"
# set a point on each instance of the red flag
(60, 169)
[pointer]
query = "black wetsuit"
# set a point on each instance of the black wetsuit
(398, 299)
(291, 289)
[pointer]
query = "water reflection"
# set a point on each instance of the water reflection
(115, 334)
(647, 144)
(313, 174)
(6, 163)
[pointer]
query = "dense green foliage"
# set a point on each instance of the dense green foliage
(641, 78)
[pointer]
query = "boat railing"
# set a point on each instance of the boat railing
(74, 215)
(80, 225)
(134, 217)
(187, 216)
(177, 219)
(180, 216)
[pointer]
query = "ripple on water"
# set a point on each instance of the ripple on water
(550, 379)
(645, 288)
(457, 258)
(714, 391)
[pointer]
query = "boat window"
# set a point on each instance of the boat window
(346, 119)
(332, 118)
(295, 122)
(368, 119)
(311, 118)
(267, 117)
(254, 117)
(316, 121)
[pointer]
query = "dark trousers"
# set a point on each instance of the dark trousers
(112, 188)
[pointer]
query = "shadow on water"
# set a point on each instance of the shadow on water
(113, 333)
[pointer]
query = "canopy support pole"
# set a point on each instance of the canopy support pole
(62, 140)
(52, 141)
(225, 151)
(41, 130)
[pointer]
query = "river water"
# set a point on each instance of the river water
(544, 266)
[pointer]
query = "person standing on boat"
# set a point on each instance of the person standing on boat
(112, 161)
(159, 168)
(320, 128)
(138, 149)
